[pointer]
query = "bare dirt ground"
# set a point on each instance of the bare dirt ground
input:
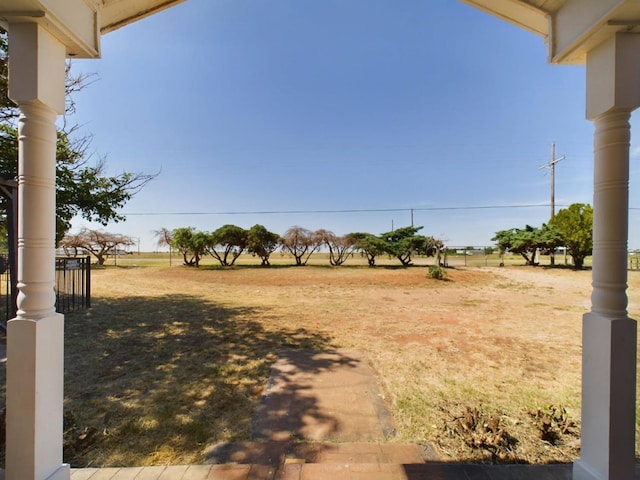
(485, 365)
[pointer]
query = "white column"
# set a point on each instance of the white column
(609, 335)
(35, 336)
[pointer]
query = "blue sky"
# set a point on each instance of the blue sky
(324, 107)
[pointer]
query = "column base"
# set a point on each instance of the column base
(63, 473)
(35, 371)
(581, 471)
(608, 398)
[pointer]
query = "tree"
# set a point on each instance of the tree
(82, 188)
(191, 244)
(97, 242)
(525, 241)
(262, 242)
(504, 240)
(549, 240)
(403, 242)
(232, 240)
(201, 242)
(339, 246)
(371, 246)
(575, 225)
(86, 190)
(6, 105)
(164, 238)
(433, 248)
(301, 243)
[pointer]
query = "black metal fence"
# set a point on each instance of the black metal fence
(73, 283)
(7, 301)
(73, 286)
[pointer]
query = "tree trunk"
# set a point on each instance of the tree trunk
(578, 262)
(406, 260)
(528, 261)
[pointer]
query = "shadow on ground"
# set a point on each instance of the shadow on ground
(329, 396)
(290, 408)
(154, 380)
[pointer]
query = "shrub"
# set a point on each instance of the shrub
(436, 272)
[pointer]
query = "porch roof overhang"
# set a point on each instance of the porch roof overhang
(78, 24)
(570, 27)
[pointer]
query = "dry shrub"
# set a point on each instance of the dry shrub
(553, 424)
(78, 440)
(484, 433)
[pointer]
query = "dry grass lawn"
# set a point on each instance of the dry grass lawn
(171, 360)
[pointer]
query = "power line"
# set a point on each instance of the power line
(347, 210)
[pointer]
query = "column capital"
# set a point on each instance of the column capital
(612, 75)
(37, 66)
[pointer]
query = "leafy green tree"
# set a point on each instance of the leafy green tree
(529, 241)
(371, 246)
(6, 106)
(301, 243)
(86, 190)
(227, 243)
(82, 188)
(201, 242)
(525, 242)
(403, 242)
(504, 240)
(575, 225)
(262, 242)
(191, 244)
(550, 239)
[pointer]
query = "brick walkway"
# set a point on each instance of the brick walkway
(322, 396)
(330, 399)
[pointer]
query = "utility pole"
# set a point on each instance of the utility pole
(551, 165)
(412, 217)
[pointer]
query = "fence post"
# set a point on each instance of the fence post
(88, 280)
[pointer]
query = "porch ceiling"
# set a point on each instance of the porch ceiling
(529, 14)
(78, 24)
(570, 27)
(118, 13)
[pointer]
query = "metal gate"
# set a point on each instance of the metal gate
(72, 288)
(73, 283)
